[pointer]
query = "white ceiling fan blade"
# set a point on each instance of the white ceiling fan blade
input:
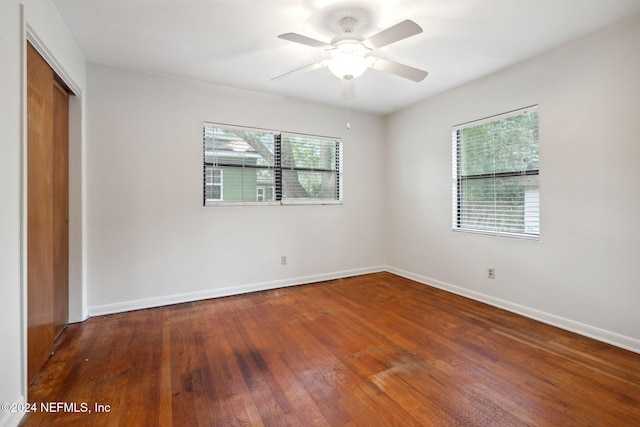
(308, 41)
(401, 70)
(404, 29)
(300, 70)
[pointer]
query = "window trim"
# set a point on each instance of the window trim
(278, 169)
(457, 181)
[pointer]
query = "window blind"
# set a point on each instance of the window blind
(239, 164)
(310, 168)
(246, 165)
(495, 174)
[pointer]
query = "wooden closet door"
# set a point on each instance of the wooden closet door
(47, 210)
(60, 208)
(39, 211)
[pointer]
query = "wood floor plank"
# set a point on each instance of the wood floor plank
(373, 350)
(165, 413)
(268, 334)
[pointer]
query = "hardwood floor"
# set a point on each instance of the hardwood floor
(370, 350)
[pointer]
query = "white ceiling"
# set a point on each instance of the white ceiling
(234, 42)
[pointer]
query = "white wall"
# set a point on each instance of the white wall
(583, 272)
(10, 214)
(150, 240)
(41, 21)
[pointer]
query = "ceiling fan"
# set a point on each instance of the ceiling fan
(350, 53)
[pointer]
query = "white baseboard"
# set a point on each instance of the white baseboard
(120, 307)
(603, 335)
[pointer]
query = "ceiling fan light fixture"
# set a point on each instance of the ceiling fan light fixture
(349, 61)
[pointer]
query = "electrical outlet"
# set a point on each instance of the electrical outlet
(283, 260)
(491, 274)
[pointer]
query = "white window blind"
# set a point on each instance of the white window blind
(495, 175)
(310, 168)
(246, 165)
(244, 157)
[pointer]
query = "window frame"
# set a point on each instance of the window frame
(278, 168)
(458, 180)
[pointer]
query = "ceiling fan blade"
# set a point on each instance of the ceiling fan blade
(401, 31)
(401, 70)
(299, 38)
(300, 70)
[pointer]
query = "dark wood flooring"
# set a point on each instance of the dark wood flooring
(374, 350)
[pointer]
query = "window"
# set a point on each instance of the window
(213, 183)
(495, 175)
(270, 167)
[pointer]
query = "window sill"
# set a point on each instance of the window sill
(282, 203)
(498, 234)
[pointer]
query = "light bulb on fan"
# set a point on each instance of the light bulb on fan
(349, 60)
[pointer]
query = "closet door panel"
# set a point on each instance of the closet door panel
(40, 225)
(60, 208)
